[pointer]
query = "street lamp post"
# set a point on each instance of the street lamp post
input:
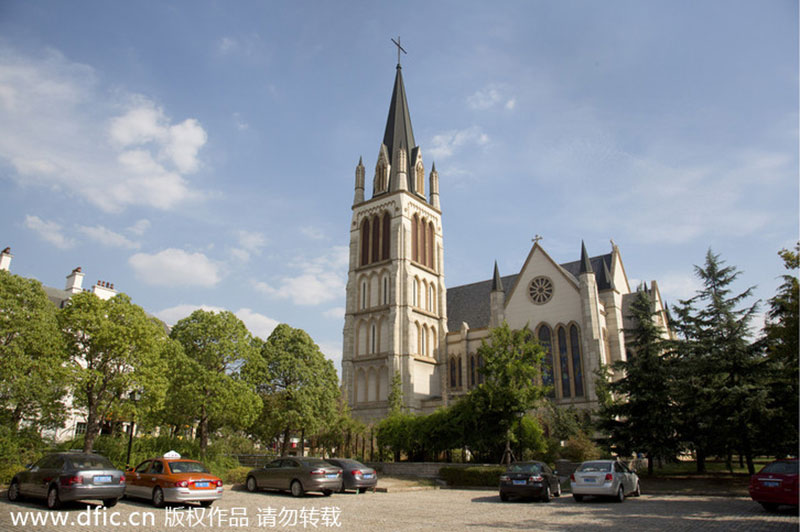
(133, 397)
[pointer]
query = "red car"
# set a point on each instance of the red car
(776, 484)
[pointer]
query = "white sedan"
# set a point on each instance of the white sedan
(607, 478)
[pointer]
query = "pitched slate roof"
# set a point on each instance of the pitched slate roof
(470, 302)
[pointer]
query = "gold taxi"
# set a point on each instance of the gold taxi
(172, 479)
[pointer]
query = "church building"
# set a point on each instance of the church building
(400, 318)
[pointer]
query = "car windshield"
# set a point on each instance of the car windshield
(90, 462)
(525, 468)
(187, 467)
(781, 468)
(595, 467)
(348, 464)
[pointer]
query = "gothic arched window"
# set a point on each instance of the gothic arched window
(365, 242)
(547, 369)
(575, 344)
(429, 254)
(376, 238)
(385, 235)
(414, 224)
(563, 359)
(452, 372)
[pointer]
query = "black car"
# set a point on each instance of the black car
(355, 475)
(529, 480)
(63, 477)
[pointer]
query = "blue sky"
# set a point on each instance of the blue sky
(202, 154)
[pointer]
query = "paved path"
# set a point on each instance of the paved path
(439, 510)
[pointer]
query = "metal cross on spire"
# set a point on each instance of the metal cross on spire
(399, 49)
(536, 239)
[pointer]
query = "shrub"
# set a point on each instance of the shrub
(580, 448)
(472, 476)
(236, 475)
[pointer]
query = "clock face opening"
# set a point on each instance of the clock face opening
(540, 290)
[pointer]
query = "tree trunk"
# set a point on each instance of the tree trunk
(303, 442)
(701, 460)
(285, 443)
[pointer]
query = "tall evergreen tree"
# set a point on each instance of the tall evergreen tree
(722, 382)
(780, 427)
(640, 414)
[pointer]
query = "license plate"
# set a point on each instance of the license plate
(201, 484)
(331, 475)
(102, 479)
(368, 475)
(589, 479)
(519, 482)
(770, 483)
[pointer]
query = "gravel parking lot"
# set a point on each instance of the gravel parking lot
(411, 510)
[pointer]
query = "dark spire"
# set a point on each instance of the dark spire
(497, 283)
(586, 265)
(398, 125)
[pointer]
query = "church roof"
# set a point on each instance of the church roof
(398, 126)
(470, 302)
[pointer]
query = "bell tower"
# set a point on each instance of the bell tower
(395, 320)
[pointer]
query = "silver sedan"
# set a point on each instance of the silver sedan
(296, 474)
(607, 478)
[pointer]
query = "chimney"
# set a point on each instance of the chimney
(74, 281)
(5, 259)
(104, 290)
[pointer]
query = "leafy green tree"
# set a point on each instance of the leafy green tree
(207, 386)
(396, 394)
(640, 415)
(511, 370)
(33, 375)
(298, 385)
(721, 386)
(114, 348)
(780, 424)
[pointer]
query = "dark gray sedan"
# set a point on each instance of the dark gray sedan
(63, 477)
(529, 480)
(355, 475)
(296, 474)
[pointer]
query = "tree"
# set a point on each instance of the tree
(207, 386)
(640, 412)
(721, 385)
(33, 375)
(298, 385)
(780, 342)
(511, 370)
(114, 348)
(395, 398)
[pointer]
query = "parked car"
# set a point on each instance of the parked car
(296, 474)
(529, 479)
(610, 478)
(355, 475)
(62, 477)
(170, 478)
(775, 484)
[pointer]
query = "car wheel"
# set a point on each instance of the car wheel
(53, 500)
(158, 498)
(620, 494)
(558, 489)
(327, 493)
(251, 484)
(769, 506)
(503, 496)
(297, 489)
(363, 490)
(13, 491)
(638, 491)
(206, 504)
(108, 503)
(546, 495)
(578, 498)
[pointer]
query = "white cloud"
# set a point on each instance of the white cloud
(320, 280)
(241, 124)
(490, 97)
(510, 104)
(446, 143)
(333, 351)
(49, 231)
(108, 237)
(140, 227)
(675, 286)
(258, 324)
(175, 267)
(336, 313)
(312, 232)
(59, 129)
(250, 243)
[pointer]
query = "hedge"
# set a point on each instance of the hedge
(483, 476)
